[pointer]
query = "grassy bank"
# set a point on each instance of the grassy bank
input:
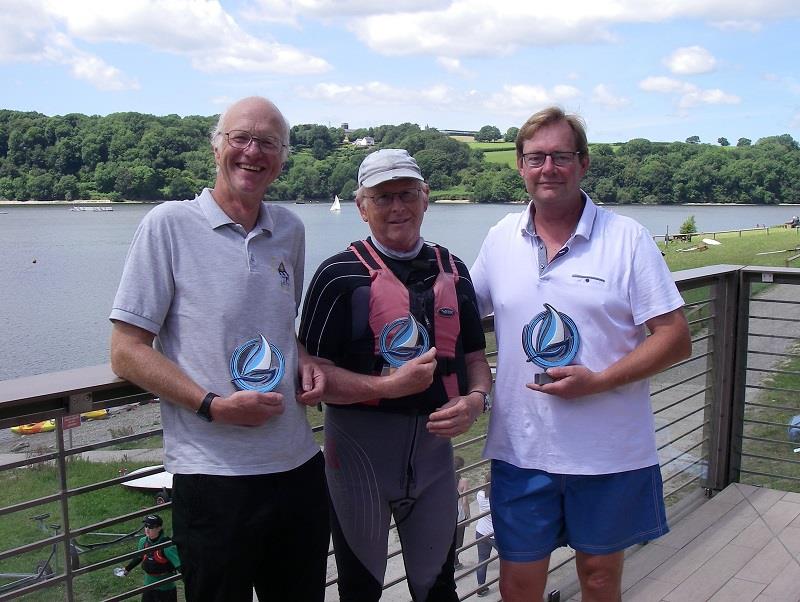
(754, 247)
(19, 528)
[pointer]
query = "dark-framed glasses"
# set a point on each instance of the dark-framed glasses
(241, 139)
(560, 158)
(387, 198)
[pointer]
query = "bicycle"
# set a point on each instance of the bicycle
(44, 569)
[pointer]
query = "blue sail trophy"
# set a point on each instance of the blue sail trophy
(550, 339)
(257, 365)
(403, 339)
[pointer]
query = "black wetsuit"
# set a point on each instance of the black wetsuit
(381, 462)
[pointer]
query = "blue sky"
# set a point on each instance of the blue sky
(663, 71)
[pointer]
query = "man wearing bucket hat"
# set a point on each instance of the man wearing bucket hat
(397, 319)
(157, 564)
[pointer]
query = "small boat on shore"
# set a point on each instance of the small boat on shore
(91, 209)
(45, 426)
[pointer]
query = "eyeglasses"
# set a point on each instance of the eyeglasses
(387, 198)
(560, 158)
(241, 140)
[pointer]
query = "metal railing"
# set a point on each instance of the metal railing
(721, 416)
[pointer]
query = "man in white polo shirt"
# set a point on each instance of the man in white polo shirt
(574, 289)
(216, 283)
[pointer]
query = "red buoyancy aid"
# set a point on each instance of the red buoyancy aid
(154, 562)
(389, 300)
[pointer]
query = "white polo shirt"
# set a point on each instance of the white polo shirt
(610, 278)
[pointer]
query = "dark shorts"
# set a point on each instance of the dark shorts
(268, 532)
(534, 512)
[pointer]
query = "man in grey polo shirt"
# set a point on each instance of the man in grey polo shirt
(216, 282)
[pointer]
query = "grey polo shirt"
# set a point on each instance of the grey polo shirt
(204, 286)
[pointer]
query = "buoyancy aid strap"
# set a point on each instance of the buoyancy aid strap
(446, 262)
(446, 318)
(366, 256)
(388, 297)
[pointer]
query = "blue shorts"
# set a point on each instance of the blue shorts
(534, 512)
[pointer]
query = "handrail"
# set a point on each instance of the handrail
(698, 408)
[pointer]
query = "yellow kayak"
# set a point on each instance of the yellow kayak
(95, 415)
(35, 427)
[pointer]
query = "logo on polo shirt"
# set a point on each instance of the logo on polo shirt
(402, 340)
(550, 339)
(283, 274)
(257, 365)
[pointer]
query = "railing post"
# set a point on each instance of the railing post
(721, 380)
(740, 377)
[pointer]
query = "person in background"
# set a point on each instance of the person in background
(396, 318)
(484, 535)
(215, 283)
(463, 507)
(156, 564)
(574, 289)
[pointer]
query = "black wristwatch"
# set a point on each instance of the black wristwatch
(204, 411)
(486, 404)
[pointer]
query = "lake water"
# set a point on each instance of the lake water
(59, 269)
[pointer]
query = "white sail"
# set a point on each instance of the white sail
(265, 361)
(335, 206)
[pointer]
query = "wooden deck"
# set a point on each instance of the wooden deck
(741, 545)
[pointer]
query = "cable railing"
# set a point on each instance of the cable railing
(722, 415)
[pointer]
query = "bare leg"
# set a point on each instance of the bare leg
(523, 581)
(600, 576)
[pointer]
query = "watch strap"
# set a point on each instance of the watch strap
(486, 405)
(204, 411)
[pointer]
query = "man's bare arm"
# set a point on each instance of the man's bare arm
(134, 358)
(344, 387)
(669, 342)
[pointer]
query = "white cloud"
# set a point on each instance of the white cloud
(200, 30)
(664, 85)
(690, 95)
(708, 97)
(745, 25)
(603, 95)
(525, 99)
(788, 83)
(478, 28)
(376, 92)
(290, 10)
(454, 66)
(28, 34)
(690, 60)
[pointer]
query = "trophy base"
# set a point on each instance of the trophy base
(542, 379)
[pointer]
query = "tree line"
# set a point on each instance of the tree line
(137, 156)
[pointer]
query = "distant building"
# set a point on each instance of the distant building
(365, 141)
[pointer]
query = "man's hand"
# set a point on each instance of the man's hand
(246, 408)
(312, 381)
(414, 376)
(456, 416)
(570, 382)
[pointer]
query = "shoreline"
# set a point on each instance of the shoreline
(109, 202)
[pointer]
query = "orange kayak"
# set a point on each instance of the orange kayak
(34, 427)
